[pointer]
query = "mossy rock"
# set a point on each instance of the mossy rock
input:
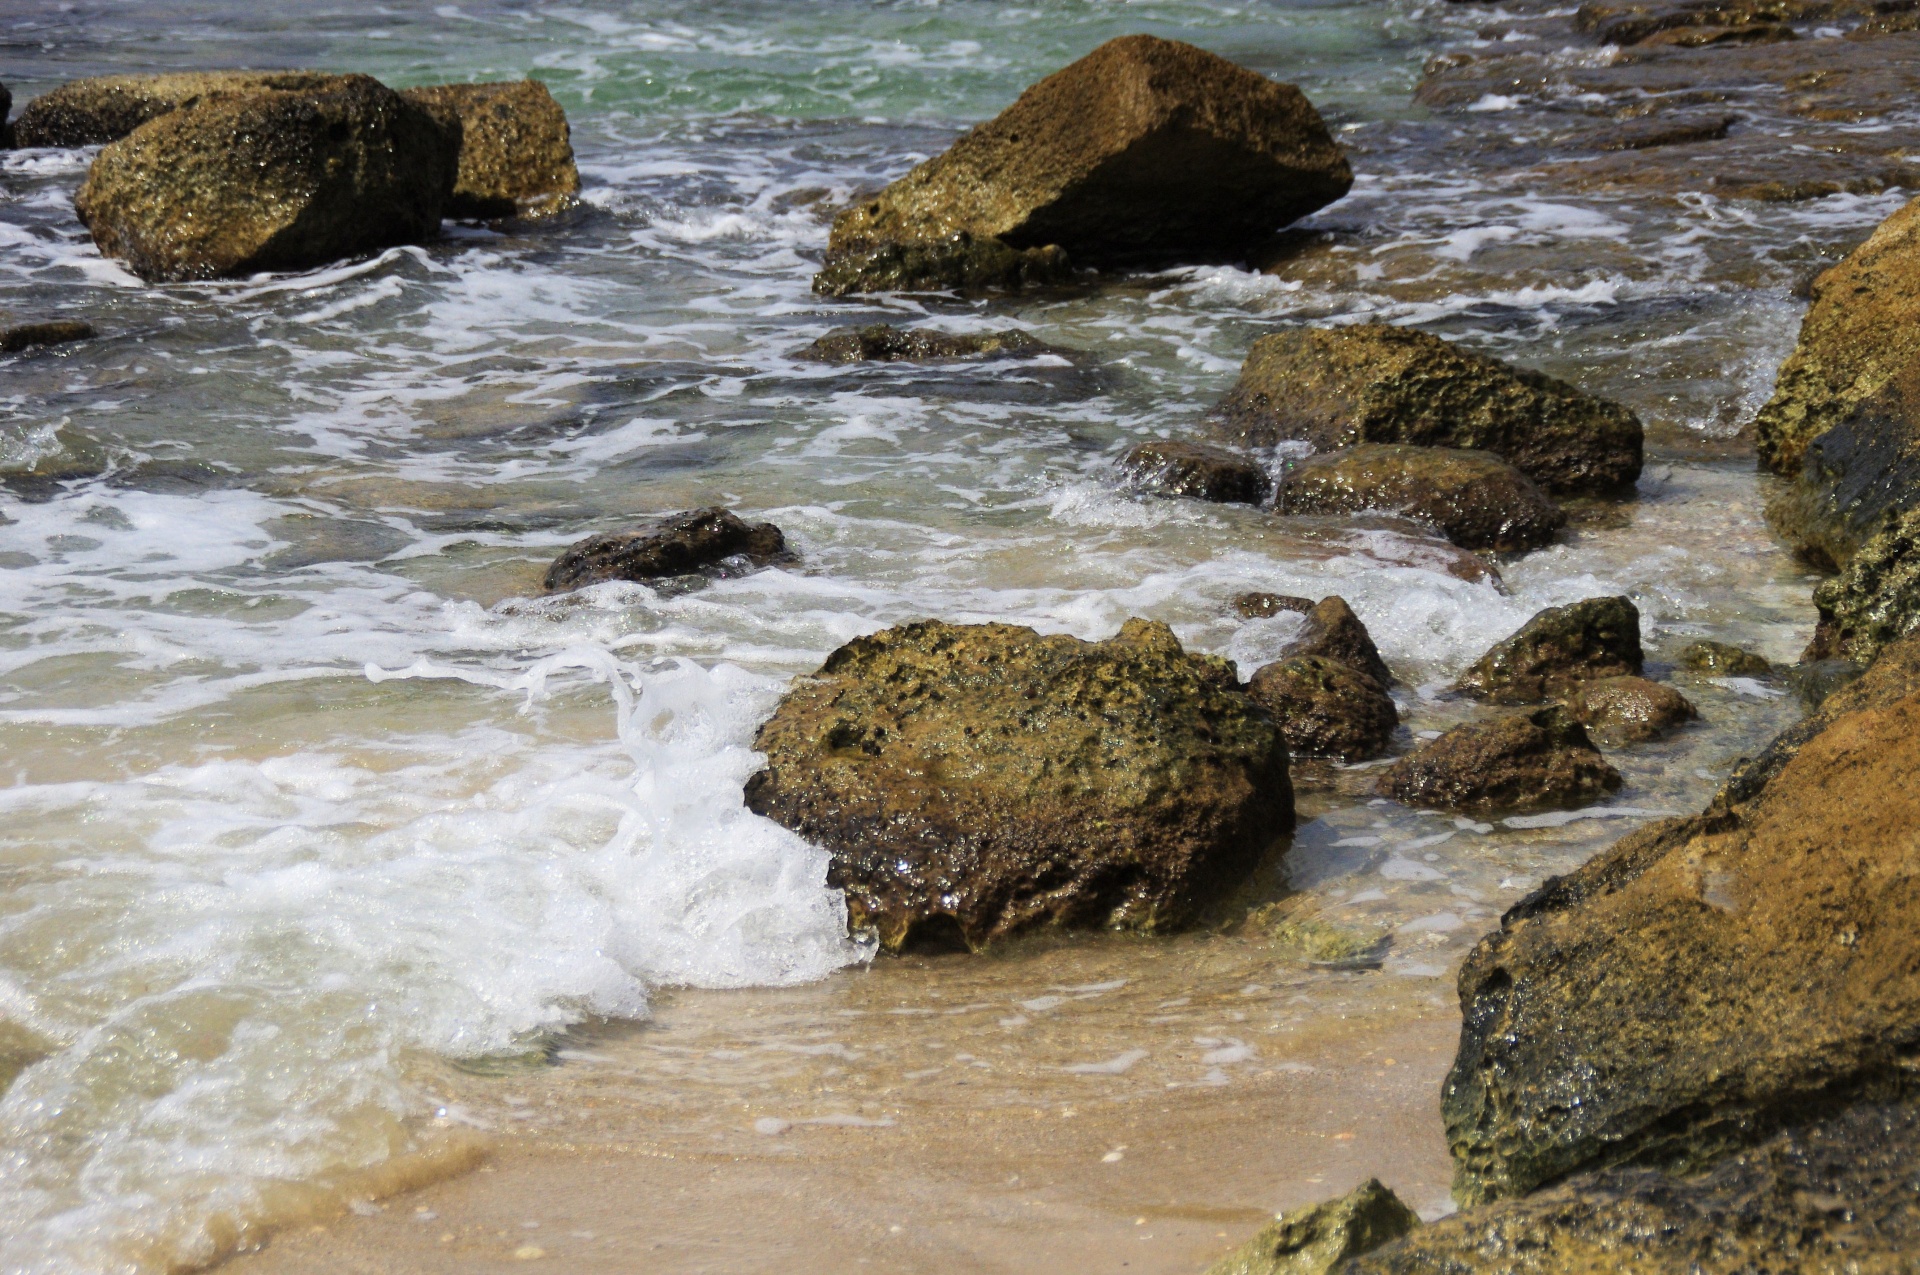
(1326, 707)
(1722, 659)
(1322, 1238)
(1875, 601)
(516, 150)
(679, 544)
(1196, 470)
(884, 343)
(1629, 710)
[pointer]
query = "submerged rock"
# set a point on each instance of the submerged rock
(516, 151)
(1258, 606)
(975, 781)
(1375, 383)
(1333, 630)
(1197, 470)
(1477, 500)
(269, 180)
(1629, 710)
(1525, 761)
(1556, 650)
(1876, 600)
(1720, 659)
(1318, 1239)
(108, 107)
(1326, 708)
(24, 336)
(884, 343)
(1144, 151)
(1816, 681)
(679, 545)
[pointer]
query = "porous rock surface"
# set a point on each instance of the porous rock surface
(1723, 659)
(1556, 650)
(1477, 500)
(1629, 710)
(1856, 477)
(1258, 606)
(1376, 383)
(1334, 631)
(1541, 760)
(1875, 600)
(884, 343)
(1318, 1239)
(680, 544)
(1198, 470)
(1325, 707)
(975, 781)
(106, 108)
(516, 150)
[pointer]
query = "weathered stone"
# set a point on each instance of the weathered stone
(679, 545)
(962, 261)
(1318, 1239)
(1640, 23)
(1258, 606)
(884, 343)
(1375, 383)
(24, 336)
(1816, 681)
(1721, 659)
(6, 125)
(1477, 500)
(1523, 761)
(1333, 630)
(108, 107)
(269, 180)
(975, 781)
(1557, 649)
(1146, 151)
(1196, 470)
(1875, 600)
(1325, 707)
(1629, 710)
(1855, 476)
(1642, 135)
(516, 151)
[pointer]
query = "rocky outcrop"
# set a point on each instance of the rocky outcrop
(975, 781)
(1629, 710)
(1326, 708)
(1855, 477)
(1374, 383)
(1146, 151)
(884, 343)
(1196, 470)
(680, 544)
(25, 336)
(1541, 760)
(1875, 601)
(269, 180)
(107, 108)
(1318, 1239)
(1721, 659)
(1557, 650)
(516, 151)
(1477, 500)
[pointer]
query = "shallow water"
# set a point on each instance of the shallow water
(307, 789)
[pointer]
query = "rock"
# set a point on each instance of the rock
(1258, 606)
(1637, 23)
(1326, 708)
(1196, 470)
(516, 151)
(108, 107)
(976, 781)
(1477, 500)
(23, 336)
(1146, 151)
(1719, 659)
(270, 180)
(1862, 329)
(1316, 1240)
(1374, 383)
(1333, 630)
(884, 343)
(1875, 600)
(1629, 710)
(679, 545)
(1816, 681)
(1557, 649)
(1855, 476)
(6, 127)
(1643, 135)
(1524, 761)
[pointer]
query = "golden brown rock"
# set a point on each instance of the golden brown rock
(1333, 630)
(1558, 649)
(1722, 659)
(516, 151)
(1258, 606)
(1629, 710)
(108, 107)
(25, 336)
(1326, 708)
(1477, 500)
(1318, 1239)
(1519, 762)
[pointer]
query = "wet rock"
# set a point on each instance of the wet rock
(6, 126)
(1374, 383)
(1196, 470)
(1477, 500)
(1258, 606)
(1325, 707)
(107, 108)
(1629, 710)
(1647, 134)
(1637, 23)
(26, 336)
(1876, 600)
(680, 545)
(1318, 1239)
(270, 180)
(1855, 476)
(1146, 151)
(1334, 631)
(1816, 682)
(1558, 649)
(884, 343)
(1721, 659)
(975, 781)
(1541, 760)
(516, 151)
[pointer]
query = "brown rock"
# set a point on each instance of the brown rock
(1196, 470)
(1856, 476)
(1477, 500)
(23, 336)
(1333, 630)
(1556, 650)
(679, 545)
(1629, 710)
(1647, 134)
(884, 343)
(1875, 600)
(1317, 1240)
(1637, 22)
(516, 151)
(1525, 761)
(1723, 660)
(1258, 606)
(108, 107)
(1326, 708)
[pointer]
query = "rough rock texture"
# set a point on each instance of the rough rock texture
(1316, 1240)
(1721, 659)
(1856, 476)
(1258, 606)
(1558, 649)
(1333, 630)
(679, 544)
(1862, 329)
(269, 180)
(1691, 22)
(23, 336)
(1629, 710)
(1875, 600)
(107, 108)
(516, 151)
(884, 343)
(1375, 383)
(1144, 151)
(1477, 500)
(1325, 707)
(974, 781)
(6, 126)
(962, 261)
(1525, 761)
(1197, 470)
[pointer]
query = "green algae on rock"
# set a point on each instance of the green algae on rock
(884, 343)
(1556, 650)
(1319, 1239)
(1326, 707)
(269, 180)
(972, 781)
(1875, 601)
(1518, 762)
(1629, 710)
(516, 150)
(1376, 383)
(1197, 470)
(1477, 500)
(1259, 606)
(1146, 151)
(1722, 659)
(1855, 477)
(1333, 630)
(106, 108)
(679, 544)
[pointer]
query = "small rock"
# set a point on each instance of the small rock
(1197, 470)
(1719, 659)
(1558, 649)
(1527, 761)
(106, 108)
(1326, 708)
(516, 151)
(1816, 681)
(1333, 630)
(1629, 710)
(680, 545)
(1258, 606)
(962, 262)
(23, 336)
(884, 343)
(1318, 1239)
(1477, 500)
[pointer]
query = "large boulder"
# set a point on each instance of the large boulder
(269, 180)
(1541, 760)
(1558, 649)
(975, 781)
(1317, 1239)
(1199, 470)
(1856, 476)
(1146, 151)
(1477, 500)
(516, 151)
(1326, 708)
(680, 544)
(1375, 383)
(106, 108)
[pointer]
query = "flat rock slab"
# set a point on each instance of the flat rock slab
(516, 150)
(1476, 499)
(1197, 470)
(1542, 760)
(1558, 649)
(680, 544)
